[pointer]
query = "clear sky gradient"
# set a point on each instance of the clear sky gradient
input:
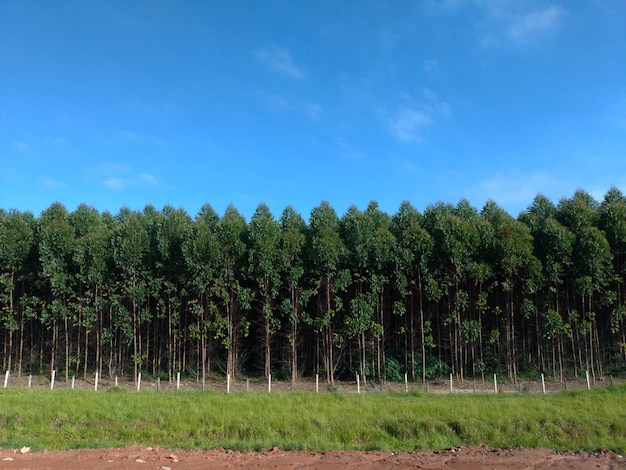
(116, 103)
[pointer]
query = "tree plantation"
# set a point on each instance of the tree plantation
(450, 290)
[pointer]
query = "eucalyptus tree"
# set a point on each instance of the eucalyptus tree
(356, 230)
(513, 265)
(380, 249)
(92, 258)
(292, 245)
(592, 269)
(413, 251)
(455, 245)
(230, 322)
(612, 220)
(131, 245)
(56, 241)
(172, 226)
(264, 265)
(326, 258)
(553, 246)
(201, 252)
(155, 319)
(17, 234)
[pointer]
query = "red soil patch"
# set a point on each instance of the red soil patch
(467, 458)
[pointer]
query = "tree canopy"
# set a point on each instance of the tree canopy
(451, 290)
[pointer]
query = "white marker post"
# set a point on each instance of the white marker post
(495, 384)
(30, 382)
(358, 384)
(139, 381)
(73, 381)
(227, 383)
(587, 376)
(6, 379)
(450, 383)
(116, 380)
(406, 383)
(269, 383)
(543, 383)
(54, 373)
(95, 386)
(317, 383)
(178, 381)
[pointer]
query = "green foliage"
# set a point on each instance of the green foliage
(434, 367)
(393, 369)
(157, 289)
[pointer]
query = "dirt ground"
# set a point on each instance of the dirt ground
(466, 458)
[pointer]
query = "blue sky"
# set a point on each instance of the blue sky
(116, 103)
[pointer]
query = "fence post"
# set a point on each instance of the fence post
(587, 376)
(139, 381)
(54, 372)
(495, 384)
(543, 383)
(317, 383)
(269, 383)
(6, 379)
(358, 384)
(95, 387)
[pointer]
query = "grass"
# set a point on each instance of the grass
(70, 419)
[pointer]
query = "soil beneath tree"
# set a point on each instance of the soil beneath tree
(467, 458)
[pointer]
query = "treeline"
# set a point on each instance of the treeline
(450, 290)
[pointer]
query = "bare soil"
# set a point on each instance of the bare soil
(467, 458)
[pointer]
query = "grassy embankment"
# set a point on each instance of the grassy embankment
(581, 420)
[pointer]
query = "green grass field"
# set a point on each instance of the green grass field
(70, 419)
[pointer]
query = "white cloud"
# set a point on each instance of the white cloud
(409, 121)
(114, 183)
(52, 183)
(58, 141)
(278, 59)
(22, 147)
(119, 176)
(430, 65)
(407, 124)
(517, 189)
(148, 179)
(129, 135)
(513, 22)
(528, 28)
(110, 168)
(347, 151)
(314, 110)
